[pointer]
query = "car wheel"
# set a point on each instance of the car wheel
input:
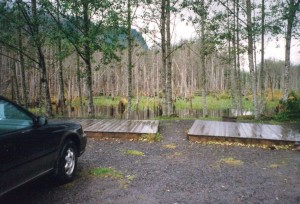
(67, 162)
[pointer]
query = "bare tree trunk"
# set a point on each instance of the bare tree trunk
(41, 60)
(292, 9)
(88, 71)
(45, 84)
(169, 60)
(79, 84)
(22, 65)
(238, 80)
(87, 60)
(129, 65)
(163, 54)
(234, 76)
(15, 86)
(202, 60)
(60, 65)
(262, 68)
(250, 58)
(61, 81)
(227, 80)
(271, 87)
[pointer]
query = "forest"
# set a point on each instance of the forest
(58, 55)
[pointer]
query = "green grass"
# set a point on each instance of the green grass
(106, 173)
(218, 102)
(134, 152)
(170, 146)
(106, 101)
(151, 137)
(229, 161)
(213, 103)
(232, 161)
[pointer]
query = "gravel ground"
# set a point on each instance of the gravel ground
(173, 171)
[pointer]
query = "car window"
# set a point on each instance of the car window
(12, 118)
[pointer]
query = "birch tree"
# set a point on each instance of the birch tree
(291, 10)
(163, 53)
(169, 60)
(262, 67)
(250, 57)
(129, 63)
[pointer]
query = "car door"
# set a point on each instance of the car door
(21, 147)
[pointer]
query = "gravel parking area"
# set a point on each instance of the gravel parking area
(172, 171)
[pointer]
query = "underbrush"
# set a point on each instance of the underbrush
(290, 109)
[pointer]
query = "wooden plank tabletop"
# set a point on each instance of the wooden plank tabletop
(245, 130)
(124, 126)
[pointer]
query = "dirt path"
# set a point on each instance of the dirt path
(173, 171)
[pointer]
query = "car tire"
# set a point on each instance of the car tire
(67, 163)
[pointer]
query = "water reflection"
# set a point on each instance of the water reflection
(147, 113)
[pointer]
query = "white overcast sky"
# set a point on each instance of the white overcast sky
(183, 31)
(273, 49)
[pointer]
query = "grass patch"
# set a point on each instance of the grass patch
(151, 137)
(143, 102)
(104, 172)
(170, 146)
(177, 154)
(174, 155)
(130, 177)
(106, 101)
(274, 166)
(134, 152)
(231, 161)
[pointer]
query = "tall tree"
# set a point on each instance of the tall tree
(262, 67)
(15, 86)
(22, 60)
(88, 28)
(250, 57)
(238, 78)
(203, 52)
(129, 63)
(30, 19)
(290, 11)
(38, 43)
(207, 44)
(78, 81)
(169, 60)
(61, 101)
(86, 54)
(163, 54)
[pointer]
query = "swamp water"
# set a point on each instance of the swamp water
(147, 113)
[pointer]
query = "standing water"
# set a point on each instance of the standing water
(146, 113)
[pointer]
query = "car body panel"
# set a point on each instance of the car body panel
(29, 148)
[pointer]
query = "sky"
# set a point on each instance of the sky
(274, 49)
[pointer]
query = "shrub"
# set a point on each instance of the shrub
(289, 109)
(224, 95)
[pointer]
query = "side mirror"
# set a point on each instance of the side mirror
(41, 120)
